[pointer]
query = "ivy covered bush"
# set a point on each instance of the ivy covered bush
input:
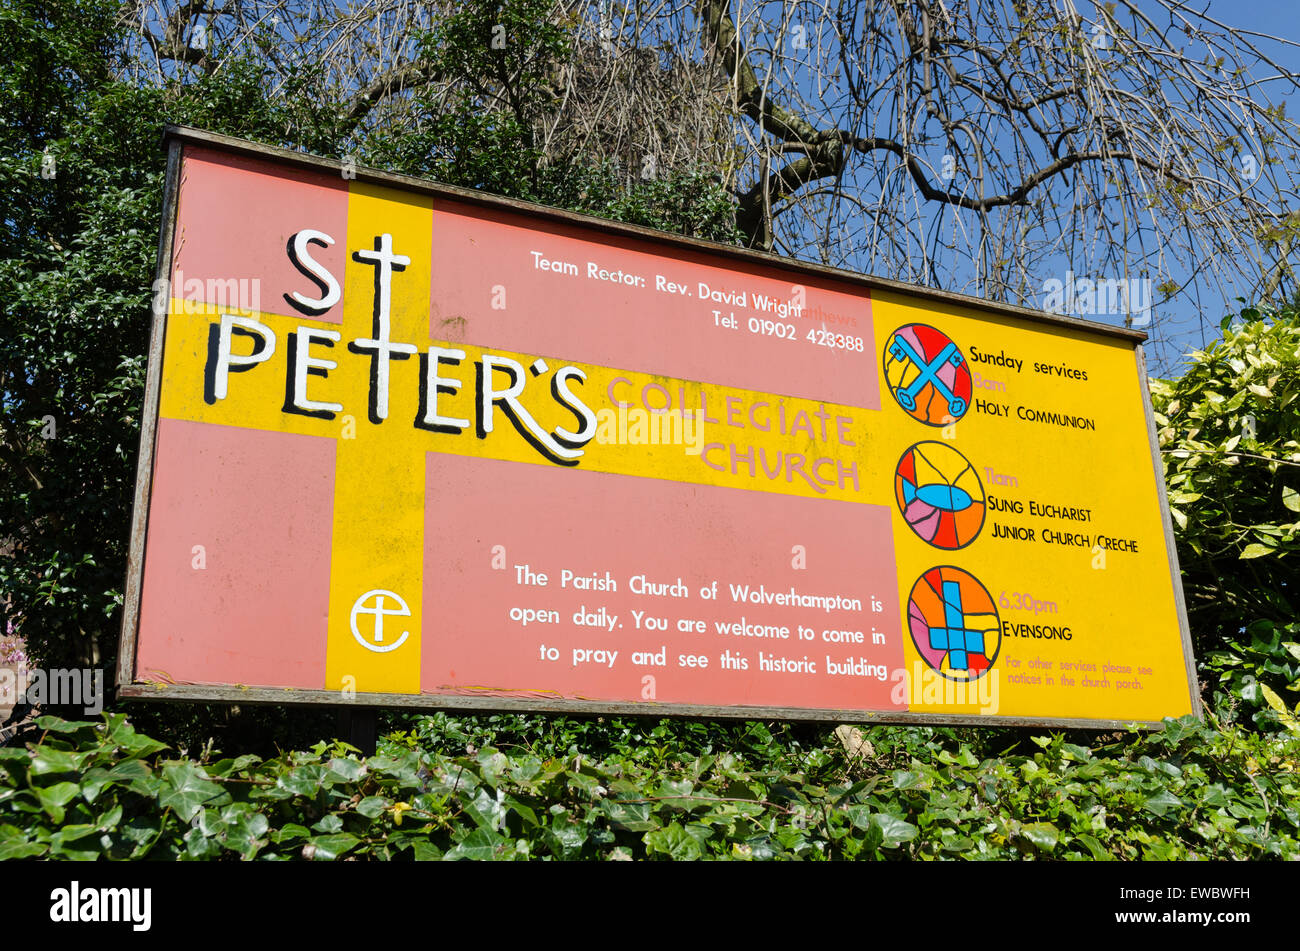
(100, 789)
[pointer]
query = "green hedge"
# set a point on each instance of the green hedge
(88, 790)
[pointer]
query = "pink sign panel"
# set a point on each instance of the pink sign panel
(628, 303)
(237, 218)
(693, 600)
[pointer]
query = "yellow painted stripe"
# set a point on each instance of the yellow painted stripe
(379, 483)
(255, 398)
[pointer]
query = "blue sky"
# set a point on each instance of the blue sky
(1281, 19)
(1187, 322)
(1190, 320)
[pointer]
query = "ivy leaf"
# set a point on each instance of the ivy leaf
(244, 834)
(426, 851)
(905, 779)
(1162, 802)
(860, 816)
(54, 798)
(1273, 700)
(89, 849)
(226, 767)
(186, 789)
(46, 760)
(330, 847)
(53, 724)
(1175, 731)
(893, 830)
(135, 773)
(198, 845)
(1095, 847)
(304, 780)
(487, 810)
(345, 770)
(629, 816)
(525, 769)
(1043, 835)
(872, 837)
(329, 824)
(291, 831)
(566, 838)
(674, 841)
(123, 735)
(19, 848)
(481, 845)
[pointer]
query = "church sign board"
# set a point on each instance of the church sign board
(412, 445)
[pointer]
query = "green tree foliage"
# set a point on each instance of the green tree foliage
(79, 197)
(1230, 440)
(499, 61)
(81, 174)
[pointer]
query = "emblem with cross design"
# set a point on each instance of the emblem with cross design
(900, 349)
(377, 642)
